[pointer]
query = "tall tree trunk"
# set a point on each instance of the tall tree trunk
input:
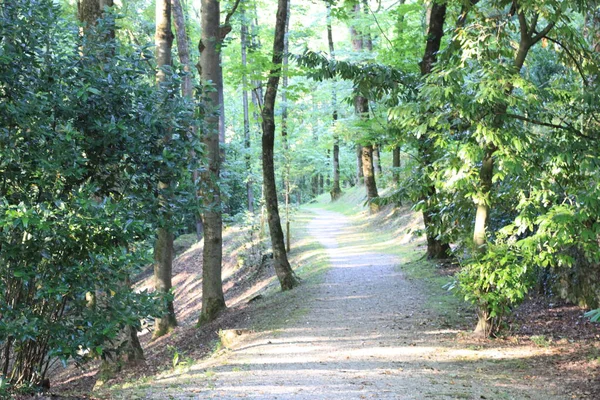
(213, 300)
(360, 177)
(336, 190)
(396, 164)
(257, 86)
(361, 107)
(163, 249)
(89, 11)
(284, 128)
(285, 274)
(183, 49)
(436, 248)
(377, 159)
(245, 106)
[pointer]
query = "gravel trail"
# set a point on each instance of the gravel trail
(366, 335)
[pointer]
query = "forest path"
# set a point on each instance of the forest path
(366, 334)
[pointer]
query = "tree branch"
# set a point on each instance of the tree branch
(522, 22)
(572, 57)
(231, 12)
(534, 22)
(226, 27)
(567, 128)
(543, 33)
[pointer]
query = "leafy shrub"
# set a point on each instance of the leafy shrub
(495, 281)
(82, 129)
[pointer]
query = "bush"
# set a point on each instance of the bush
(81, 150)
(494, 282)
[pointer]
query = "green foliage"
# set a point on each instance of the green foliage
(495, 281)
(82, 146)
(593, 315)
(371, 80)
(179, 357)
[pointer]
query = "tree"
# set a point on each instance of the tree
(361, 106)
(213, 300)
(89, 11)
(436, 247)
(79, 158)
(285, 274)
(163, 249)
(336, 191)
(529, 36)
(284, 127)
(245, 106)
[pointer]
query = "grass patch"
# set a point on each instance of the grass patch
(541, 340)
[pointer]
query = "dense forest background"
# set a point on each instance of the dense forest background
(125, 125)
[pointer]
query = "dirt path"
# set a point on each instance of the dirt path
(366, 336)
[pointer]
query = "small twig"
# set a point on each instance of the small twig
(379, 26)
(572, 57)
(232, 11)
(550, 125)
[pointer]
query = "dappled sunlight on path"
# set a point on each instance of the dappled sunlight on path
(366, 334)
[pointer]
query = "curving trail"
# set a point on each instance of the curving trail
(366, 335)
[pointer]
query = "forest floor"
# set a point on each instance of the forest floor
(370, 320)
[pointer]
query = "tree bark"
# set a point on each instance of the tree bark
(396, 164)
(361, 107)
(377, 159)
(360, 177)
(436, 248)
(367, 161)
(89, 11)
(245, 106)
(213, 300)
(284, 130)
(336, 190)
(163, 249)
(285, 274)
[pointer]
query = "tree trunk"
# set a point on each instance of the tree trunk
(89, 11)
(163, 249)
(257, 89)
(284, 129)
(436, 248)
(485, 324)
(529, 37)
(314, 185)
(376, 159)
(336, 190)
(285, 274)
(361, 107)
(213, 300)
(396, 164)
(367, 161)
(483, 204)
(245, 106)
(359, 166)
(183, 49)
(163, 267)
